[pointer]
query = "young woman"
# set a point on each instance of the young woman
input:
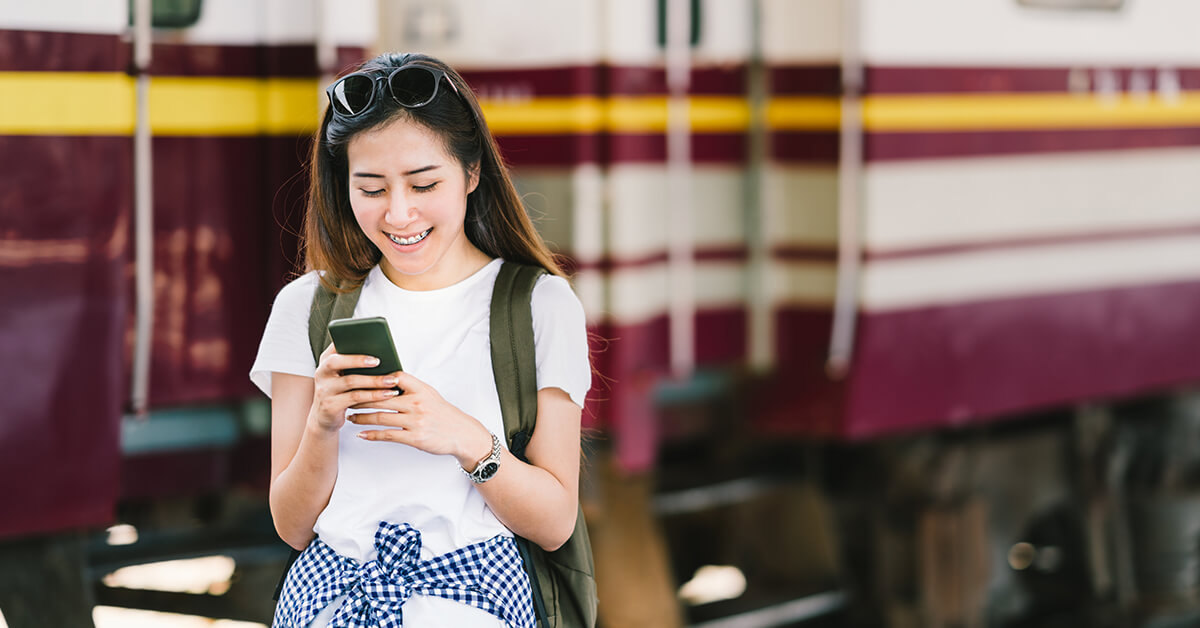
(411, 201)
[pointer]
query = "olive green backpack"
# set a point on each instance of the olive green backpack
(563, 581)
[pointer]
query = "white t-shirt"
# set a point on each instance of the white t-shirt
(443, 338)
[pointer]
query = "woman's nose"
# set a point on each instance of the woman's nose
(401, 210)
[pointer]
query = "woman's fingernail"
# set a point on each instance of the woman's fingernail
(391, 393)
(390, 381)
(363, 435)
(372, 361)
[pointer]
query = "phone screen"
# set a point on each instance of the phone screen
(366, 336)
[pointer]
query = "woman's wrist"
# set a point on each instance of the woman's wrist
(478, 447)
(317, 428)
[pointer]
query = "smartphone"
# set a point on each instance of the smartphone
(365, 336)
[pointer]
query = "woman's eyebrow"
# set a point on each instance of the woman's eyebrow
(372, 175)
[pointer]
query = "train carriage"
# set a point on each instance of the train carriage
(820, 232)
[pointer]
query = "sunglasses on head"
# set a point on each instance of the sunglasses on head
(411, 86)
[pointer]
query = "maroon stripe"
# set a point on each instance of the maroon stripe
(925, 145)
(211, 60)
(925, 80)
(526, 83)
(565, 150)
(968, 363)
(806, 253)
(705, 254)
(44, 51)
(291, 60)
(959, 364)
(589, 80)
(922, 80)
(644, 80)
(349, 58)
(64, 316)
(710, 148)
(805, 146)
(209, 235)
(631, 360)
(823, 80)
(568, 150)
(798, 396)
(1034, 241)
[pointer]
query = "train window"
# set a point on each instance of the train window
(171, 13)
(1110, 5)
(693, 36)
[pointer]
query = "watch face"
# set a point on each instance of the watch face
(488, 470)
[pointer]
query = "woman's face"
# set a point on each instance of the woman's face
(410, 198)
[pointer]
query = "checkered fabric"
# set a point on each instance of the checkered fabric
(486, 575)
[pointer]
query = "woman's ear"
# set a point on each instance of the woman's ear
(472, 177)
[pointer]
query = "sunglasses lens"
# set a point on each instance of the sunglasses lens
(414, 87)
(353, 94)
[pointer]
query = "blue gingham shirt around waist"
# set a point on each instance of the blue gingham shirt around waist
(486, 575)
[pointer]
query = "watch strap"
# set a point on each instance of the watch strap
(493, 458)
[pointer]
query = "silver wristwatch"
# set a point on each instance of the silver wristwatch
(486, 469)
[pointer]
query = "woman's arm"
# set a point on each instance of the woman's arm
(306, 416)
(538, 501)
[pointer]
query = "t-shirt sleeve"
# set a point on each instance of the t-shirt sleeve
(285, 347)
(560, 339)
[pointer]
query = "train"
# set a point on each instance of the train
(910, 290)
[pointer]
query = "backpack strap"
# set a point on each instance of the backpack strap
(514, 360)
(328, 305)
(514, 365)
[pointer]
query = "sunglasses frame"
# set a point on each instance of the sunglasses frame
(438, 75)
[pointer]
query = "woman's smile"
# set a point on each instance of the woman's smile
(409, 241)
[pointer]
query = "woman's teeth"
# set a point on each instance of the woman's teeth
(413, 240)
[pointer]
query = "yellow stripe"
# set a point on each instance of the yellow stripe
(974, 112)
(587, 114)
(804, 113)
(233, 106)
(66, 103)
(549, 116)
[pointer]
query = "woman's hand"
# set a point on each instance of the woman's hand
(333, 392)
(423, 419)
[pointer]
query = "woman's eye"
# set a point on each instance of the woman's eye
(425, 188)
(372, 193)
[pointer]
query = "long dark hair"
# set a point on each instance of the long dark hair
(496, 221)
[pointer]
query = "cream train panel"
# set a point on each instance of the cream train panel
(96, 16)
(632, 34)
(496, 35)
(801, 32)
(549, 197)
(638, 203)
(903, 283)
(802, 283)
(640, 293)
(802, 202)
(982, 32)
(280, 22)
(971, 201)
(588, 215)
(592, 288)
